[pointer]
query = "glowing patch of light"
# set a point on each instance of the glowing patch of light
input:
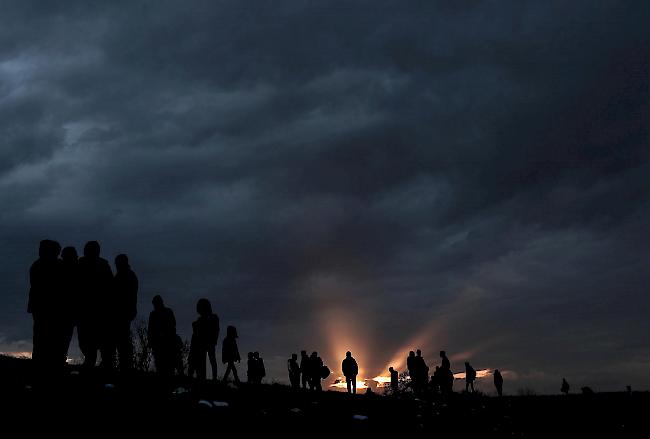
(17, 354)
(340, 383)
(482, 373)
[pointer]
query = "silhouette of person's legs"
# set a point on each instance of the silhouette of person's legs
(231, 367)
(199, 367)
(213, 361)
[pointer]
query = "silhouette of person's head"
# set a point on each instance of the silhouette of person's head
(231, 332)
(390, 369)
(49, 249)
(348, 354)
(157, 302)
(418, 353)
(250, 356)
(443, 354)
(122, 262)
(91, 249)
(467, 363)
(411, 354)
(314, 354)
(303, 353)
(294, 356)
(256, 355)
(69, 254)
(203, 307)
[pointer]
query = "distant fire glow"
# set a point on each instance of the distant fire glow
(482, 373)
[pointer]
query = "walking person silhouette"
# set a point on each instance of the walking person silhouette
(230, 353)
(161, 332)
(294, 371)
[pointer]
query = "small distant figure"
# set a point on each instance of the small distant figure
(230, 353)
(498, 382)
(446, 375)
(350, 370)
(411, 366)
(294, 371)
(163, 341)
(205, 335)
(305, 368)
(250, 368)
(260, 370)
(315, 367)
(125, 300)
(421, 372)
(628, 390)
(470, 377)
(394, 379)
(434, 383)
(565, 387)
(44, 292)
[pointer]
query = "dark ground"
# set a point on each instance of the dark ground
(145, 405)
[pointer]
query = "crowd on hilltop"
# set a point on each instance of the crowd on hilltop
(68, 291)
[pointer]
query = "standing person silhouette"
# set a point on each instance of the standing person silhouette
(315, 367)
(470, 377)
(305, 368)
(421, 372)
(411, 365)
(161, 332)
(394, 379)
(230, 353)
(294, 371)
(350, 370)
(205, 335)
(498, 382)
(94, 329)
(44, 306)
(125, 298)
(565, 387)
(251, 369)
(446, 375)
(260, 369)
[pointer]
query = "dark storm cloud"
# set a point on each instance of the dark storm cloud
(473, 171)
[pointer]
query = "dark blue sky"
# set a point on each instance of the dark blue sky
(377, 176)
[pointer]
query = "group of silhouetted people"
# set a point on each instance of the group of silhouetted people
(67, 291)
(310, 372)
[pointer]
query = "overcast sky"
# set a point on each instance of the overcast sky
(374, 176)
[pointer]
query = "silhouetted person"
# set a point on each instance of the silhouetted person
(421, 372)
(412, 368)
(250, 368)
(94, 329)
(316, 366)
(305, 369)
(446, 375)
(434, 383)
(205, 335)
(565, 387)
(260, 369)
(470, 377)
(125, 300)
(230, 353)
(394, 379)
(294, 371)
(162, 337)
(44, 305)
(70, 296)
(350, 370)
(498, 382)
